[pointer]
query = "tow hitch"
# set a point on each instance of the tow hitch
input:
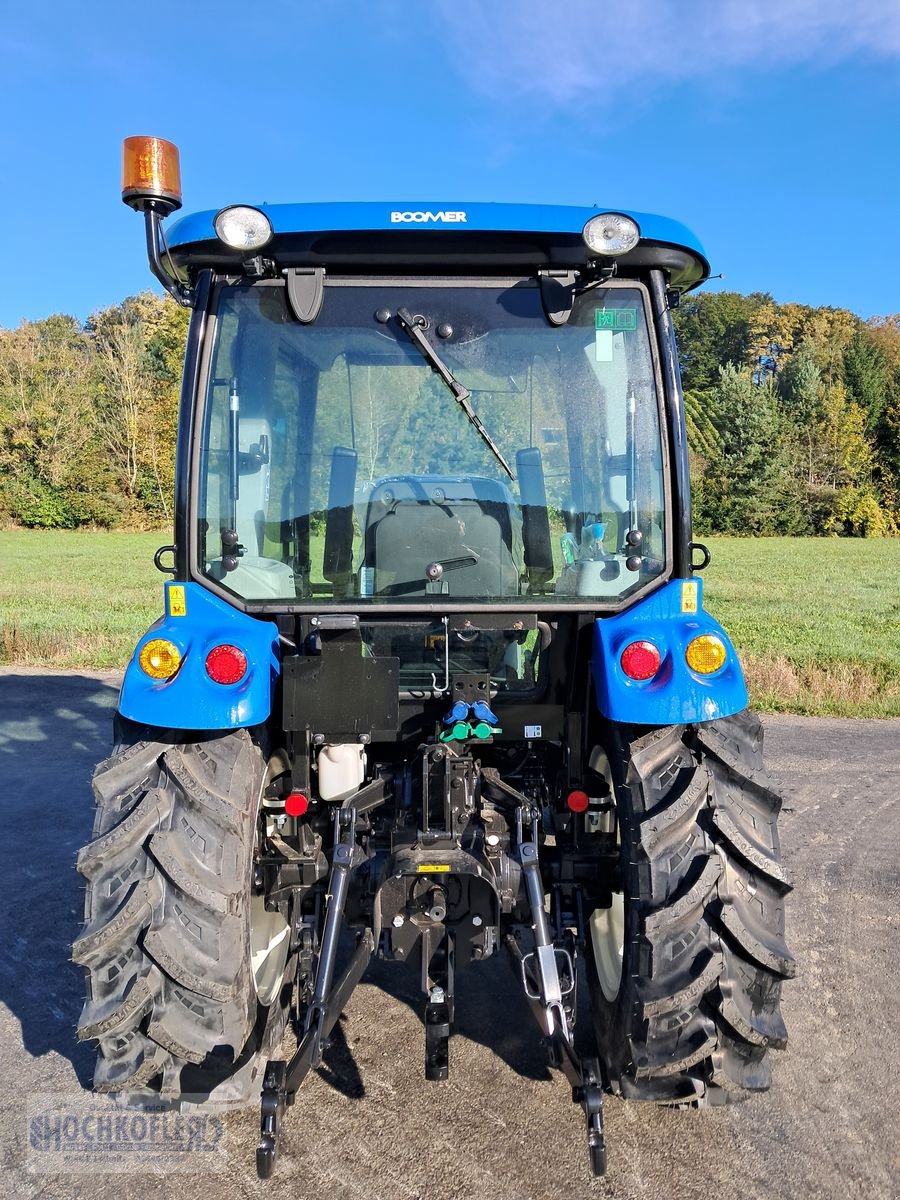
(548, 978)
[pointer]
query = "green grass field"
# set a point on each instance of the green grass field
(817, 621)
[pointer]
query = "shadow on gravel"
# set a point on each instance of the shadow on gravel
(491, 1010)
(53, 730)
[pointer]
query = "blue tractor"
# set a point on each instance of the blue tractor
(434, 678)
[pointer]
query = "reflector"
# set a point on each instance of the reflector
(578, 801)
(296, 804)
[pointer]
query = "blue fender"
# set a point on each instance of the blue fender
(670, 619)
(195, 621)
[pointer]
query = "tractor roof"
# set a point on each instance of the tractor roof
(457, 235)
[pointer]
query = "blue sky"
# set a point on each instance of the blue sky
(768, 126)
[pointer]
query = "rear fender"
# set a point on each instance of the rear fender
(196, 621)
(670, 619)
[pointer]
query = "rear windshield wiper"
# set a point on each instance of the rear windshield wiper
(414, 327)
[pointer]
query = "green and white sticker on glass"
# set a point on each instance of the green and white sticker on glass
(615, 318)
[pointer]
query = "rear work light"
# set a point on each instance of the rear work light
(226, 664)
(243, 228)
(159, 658)
(706, 654)
(611, 234)
(640, 660)
(151, 172)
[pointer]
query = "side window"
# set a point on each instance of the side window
(214, 498)
(244, 451)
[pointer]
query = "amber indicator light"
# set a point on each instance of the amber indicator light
(706, 654)
(159, 658)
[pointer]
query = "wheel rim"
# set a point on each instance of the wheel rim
(270, 939)
(608, 943)
(607, 925)
(270, 933)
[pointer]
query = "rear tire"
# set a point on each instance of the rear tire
(696, 1008)
(171, 995)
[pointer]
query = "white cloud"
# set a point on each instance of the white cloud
(581, 49)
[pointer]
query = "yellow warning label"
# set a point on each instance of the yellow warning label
(177, 605)
(689, 597)
(428, 868)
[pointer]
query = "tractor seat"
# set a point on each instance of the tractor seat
(464, 525)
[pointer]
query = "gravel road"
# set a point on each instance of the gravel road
(503, 1127)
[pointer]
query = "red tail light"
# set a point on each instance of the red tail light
(640, 660)
(226, 664)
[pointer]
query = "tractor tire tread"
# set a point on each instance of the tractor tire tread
(699, 1001)
(166, 934)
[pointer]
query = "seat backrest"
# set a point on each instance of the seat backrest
(464, 524)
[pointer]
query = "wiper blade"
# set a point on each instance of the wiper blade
(414, 327)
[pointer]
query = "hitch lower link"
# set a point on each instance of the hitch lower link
(281, 1080)
(541, 977)
(546, 994)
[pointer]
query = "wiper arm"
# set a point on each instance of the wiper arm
(414, 327)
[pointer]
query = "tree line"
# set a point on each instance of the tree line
(88, 415)
(793, 416)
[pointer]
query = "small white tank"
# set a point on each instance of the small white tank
(342, 768)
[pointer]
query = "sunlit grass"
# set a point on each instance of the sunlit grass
(817, 621)
(70, 599)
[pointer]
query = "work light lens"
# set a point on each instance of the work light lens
(243, 228)
(640, 660)
(611, 233)
(159, 658)
(706, 653)
(226, 664)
